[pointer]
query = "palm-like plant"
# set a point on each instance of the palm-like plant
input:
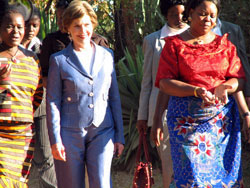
(130, 72)
(129, 82)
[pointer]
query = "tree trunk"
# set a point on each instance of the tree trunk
(125, 28)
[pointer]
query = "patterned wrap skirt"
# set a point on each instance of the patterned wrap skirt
(16, 153)
(205, 143)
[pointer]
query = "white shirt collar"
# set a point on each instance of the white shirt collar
(32, 42)
(167, 31)
(217, 28)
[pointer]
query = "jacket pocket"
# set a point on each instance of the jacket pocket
(70, 103)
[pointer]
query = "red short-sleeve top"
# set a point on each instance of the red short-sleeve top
(203, 65)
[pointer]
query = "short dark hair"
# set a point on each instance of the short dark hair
(62, 3)
(35, 12)
(192, 4)
(165, 5)
(14, 8)
(3, 7)
(19, 8)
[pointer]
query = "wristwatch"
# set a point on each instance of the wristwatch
(245, 114)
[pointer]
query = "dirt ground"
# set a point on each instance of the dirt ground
(124, 179)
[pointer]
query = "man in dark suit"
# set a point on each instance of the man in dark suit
(235, 35)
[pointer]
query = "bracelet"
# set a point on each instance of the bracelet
(245, 114)
(195, 91)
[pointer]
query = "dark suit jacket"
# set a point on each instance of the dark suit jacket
(237, 38)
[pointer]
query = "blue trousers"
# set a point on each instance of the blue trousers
(93, 147)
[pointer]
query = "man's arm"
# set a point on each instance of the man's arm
(241, 50)
(146, 86)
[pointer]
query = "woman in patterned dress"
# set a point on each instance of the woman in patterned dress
(200, 70)
(21, 93)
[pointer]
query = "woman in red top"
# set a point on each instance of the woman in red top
(200, 70)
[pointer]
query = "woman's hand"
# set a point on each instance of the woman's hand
(246, 128)
(206, 95)
(221, 93)
(156, 133)
(118, 149)
(5, 71)
(58, 151)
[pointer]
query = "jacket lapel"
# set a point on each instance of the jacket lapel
(160, 42)
(224, 29)
(99, 60)
(74, 61)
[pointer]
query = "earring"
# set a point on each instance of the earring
(215, 24)
(189, 18)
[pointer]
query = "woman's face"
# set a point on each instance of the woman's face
(174, 17)
(32, 28)
(81, 30)
(204, 17)
(12, 29)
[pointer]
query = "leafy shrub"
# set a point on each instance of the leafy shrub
(130, 72)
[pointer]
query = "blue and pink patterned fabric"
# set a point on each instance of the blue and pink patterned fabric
(205, 143)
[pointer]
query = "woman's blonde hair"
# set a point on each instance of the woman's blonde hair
(78, 9)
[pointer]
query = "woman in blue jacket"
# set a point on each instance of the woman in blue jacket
(83, 105)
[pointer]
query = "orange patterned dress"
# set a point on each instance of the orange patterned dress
(21, 93)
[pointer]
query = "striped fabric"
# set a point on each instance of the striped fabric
(24, 90)
(16, 153)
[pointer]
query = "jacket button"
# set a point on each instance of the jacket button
(91, 106)
(91, 82)
(69, 98)
(91, 94)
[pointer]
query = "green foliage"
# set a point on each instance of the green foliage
(129, 82)
(48, 24)
(134, 20)
(143, 17)
(104, 11)
(48, 17)
(105, 15)
(152, 20)
(47, 10)
(25, 2)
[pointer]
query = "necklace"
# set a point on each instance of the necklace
(197, 39)
(13, 57)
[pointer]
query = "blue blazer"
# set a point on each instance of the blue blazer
(76, 99)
